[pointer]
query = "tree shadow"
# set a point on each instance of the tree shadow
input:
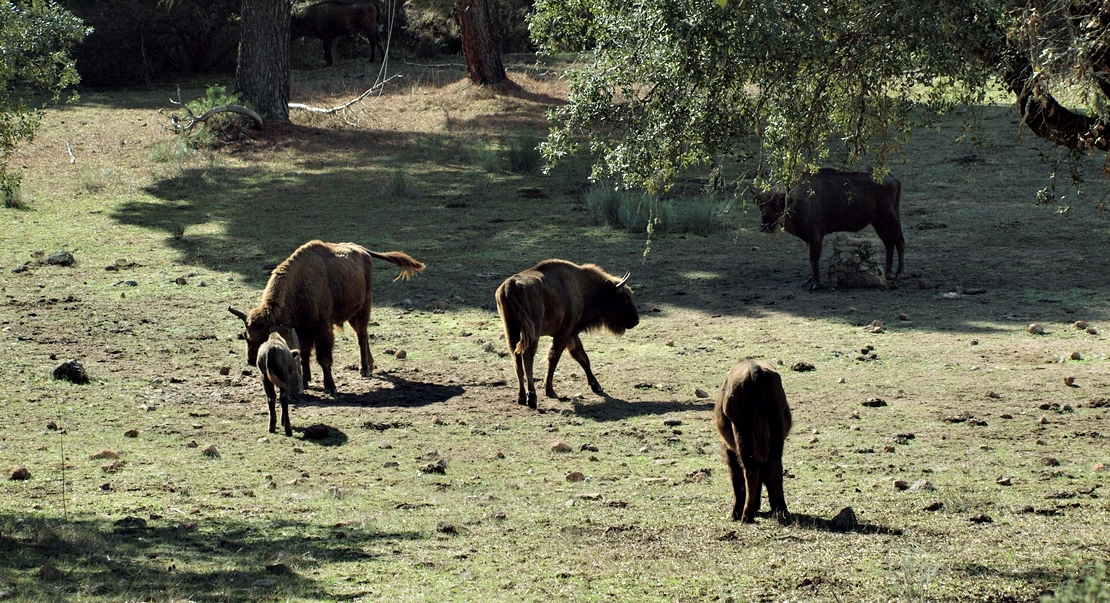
(160, 558)
(615, 409)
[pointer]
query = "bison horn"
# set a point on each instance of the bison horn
(624, 280)
(238, 313)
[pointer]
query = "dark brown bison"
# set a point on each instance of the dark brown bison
(278, 365)
(333, 19)
(560, 299)
(753, 419)
(321, 286)
(835, 201)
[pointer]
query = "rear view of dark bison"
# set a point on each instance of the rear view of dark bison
(753, 419)
(560, 299)
(319, 287)
(333, 19)
(835, 201)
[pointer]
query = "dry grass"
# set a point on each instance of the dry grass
(503, 523)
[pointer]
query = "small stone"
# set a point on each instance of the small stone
(560, 447)
(1004, 481)
(1081, 324)
(131, 433)
(1050, 461)
(1041, 442)
(389, 464)
(813, 440)
(104, 454)
(980, 518)
(180, 281)
(72, 371)
(211, 451)
(842, 380)
(19, 474)
(434, 468)
(888, 448)
(901, 485)
(1092, 331)
(974, 342)
(876, 326)
(903, 316)
(700, 393)
(670, 344)
(49, 573)
(933, 506)
(225, 370)
(444, 527)
(1076, 356)
(993, 394)
(802, 367)
(575, 476)
(192, 444)
(922, 485)
(588, 447)
(400, 354)
(1069, 381)
(279, 569)
(1035, 329)
(672, 422)
(1099, 467)
(1043, 420)
(488, 347)
(436, 420)
(874, 403)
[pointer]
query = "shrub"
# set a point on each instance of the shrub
(524, 154)
(1092, 585)
(633, 211)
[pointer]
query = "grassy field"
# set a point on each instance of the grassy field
(976, 406)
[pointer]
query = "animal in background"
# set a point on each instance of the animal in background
(333, 19)
(753, 419)
(560, 299)
(278, 365)
(835, 201)
(319, 287)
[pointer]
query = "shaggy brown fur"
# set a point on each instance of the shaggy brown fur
(321, 286)
(834, 201)
(333, 19)
(278, 365)
(753, 419)
(560, 299)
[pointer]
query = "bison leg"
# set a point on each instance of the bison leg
(753, 483)
(736, 472)
(359, 324)
(579, 353)
(815, 263)
(327, 51)
(284, 414)
(512, 337)
(306, 352)
(557, 347)
(890, 232)
(325, 341)
(527, 358)
(270, 400)
(772, 476)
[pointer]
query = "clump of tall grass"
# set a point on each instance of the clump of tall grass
(1090, 585)
(13, 198)
(524, 154)
(633, 211)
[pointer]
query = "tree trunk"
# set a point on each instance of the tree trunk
(481, 48)
(262, 75)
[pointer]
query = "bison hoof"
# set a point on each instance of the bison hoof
(532, 401)
(550, 393)
(782, 517)
(596, 387)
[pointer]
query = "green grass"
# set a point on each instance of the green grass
(502, 523)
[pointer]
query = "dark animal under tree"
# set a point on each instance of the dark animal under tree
(753, 419)
(560, 299)
(319, 287)
(333, 19)
(835, 201)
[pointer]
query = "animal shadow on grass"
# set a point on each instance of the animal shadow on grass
(403, 394)
(615, 409)
(835, 524)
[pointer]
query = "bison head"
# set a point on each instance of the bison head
(772, 206)
(621, 314)
(256, 331)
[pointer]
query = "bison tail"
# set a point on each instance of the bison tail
(762, 404)
(404, 261)
(517, 317)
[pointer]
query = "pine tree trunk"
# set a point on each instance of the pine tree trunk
(481, 48)
(262, 75)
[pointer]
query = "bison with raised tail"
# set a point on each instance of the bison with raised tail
(319, 287)
(835, 201)
(753, 419)
(333, 19)
(560, 299)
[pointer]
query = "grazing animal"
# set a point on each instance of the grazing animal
(835, 201)
(333, 19)
(278, 365)
(560, 299)
(321, 286)
(753, 419)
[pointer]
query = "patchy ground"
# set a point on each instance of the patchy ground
(973, 470)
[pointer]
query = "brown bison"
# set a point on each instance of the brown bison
(278, 365)
(560, 299)
(333, 19)
(835, 201)
(753, 419)
(321, 286)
